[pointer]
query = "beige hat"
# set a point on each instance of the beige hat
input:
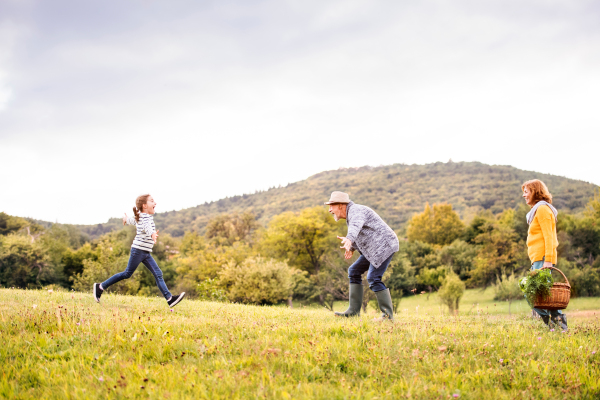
(339, 197)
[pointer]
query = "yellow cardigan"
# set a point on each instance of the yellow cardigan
(541, 237)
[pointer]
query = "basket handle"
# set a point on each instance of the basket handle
(566, 280)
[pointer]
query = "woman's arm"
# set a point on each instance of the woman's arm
(546, 218)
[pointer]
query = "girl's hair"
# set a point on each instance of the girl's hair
(139, 206)
(539, 191)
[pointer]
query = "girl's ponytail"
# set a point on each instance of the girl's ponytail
(139, 206)
(136, 213)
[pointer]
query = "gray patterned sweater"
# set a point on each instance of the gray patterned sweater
(370, 235)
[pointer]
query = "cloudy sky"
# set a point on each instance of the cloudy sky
(193, 101)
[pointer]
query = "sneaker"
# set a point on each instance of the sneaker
(176, 299)
(97, 292)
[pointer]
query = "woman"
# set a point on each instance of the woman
(541, 237)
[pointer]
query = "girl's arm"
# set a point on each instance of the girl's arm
(128, 220)
(148, 228)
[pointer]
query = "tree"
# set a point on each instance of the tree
(10, 224)
(302, 238)
(507, 289)
(200, 259)
(23, 263)
(584, 236)
(460, 256)
(432, 277)
(73, 261)
(112, 258)
(498, 252)
(258, 281)
(451, 291)
(230, 228)
(438, 225)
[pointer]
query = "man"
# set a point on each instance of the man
(375, 241)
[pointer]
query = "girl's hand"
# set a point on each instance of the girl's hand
(155, 236)
(125, 219)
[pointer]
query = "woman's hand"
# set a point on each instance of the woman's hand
(547, 264)
(155, 236)
(125, 219)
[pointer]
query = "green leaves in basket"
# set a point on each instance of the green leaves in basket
(537, 283)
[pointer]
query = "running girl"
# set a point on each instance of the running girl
(140, 250)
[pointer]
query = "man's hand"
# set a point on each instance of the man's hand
(125, 219)
(155, 236)
(347, 245)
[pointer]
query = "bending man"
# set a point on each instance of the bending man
(375, 241)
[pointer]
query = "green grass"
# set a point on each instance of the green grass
(63, 345)
(477, 301)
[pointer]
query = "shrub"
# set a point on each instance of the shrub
(111, 260)
(507, 289)
(584, 280)
(258, 280)
(209, 290)
(23, 263)
(451, 291)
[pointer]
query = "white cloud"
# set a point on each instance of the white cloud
(230, 97)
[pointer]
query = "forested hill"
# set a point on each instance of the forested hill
(396, 192)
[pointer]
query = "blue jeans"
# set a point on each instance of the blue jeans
(373, 276)
(541, 312)
(136, 257)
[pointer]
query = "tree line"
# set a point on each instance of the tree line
(296, 256)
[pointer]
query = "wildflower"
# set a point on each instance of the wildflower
(171, 310)
(501, 360)
(552, 330)
(35, 306)
(593, 352)
(101, 379)
(78, 324)
(539, 338)
(50, 290)
(456, 395)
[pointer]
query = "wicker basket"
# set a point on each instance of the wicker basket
(560, 294)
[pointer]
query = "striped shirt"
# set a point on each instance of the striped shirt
(145, 229)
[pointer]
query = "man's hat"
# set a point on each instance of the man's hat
(339, 197)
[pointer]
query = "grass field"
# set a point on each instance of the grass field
(63, 345)
(477, 301)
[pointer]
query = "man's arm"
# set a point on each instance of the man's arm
(355, 225)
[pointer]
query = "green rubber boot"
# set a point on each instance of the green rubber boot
(355, 298)
(385, 304)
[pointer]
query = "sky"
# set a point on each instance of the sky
(193, 101)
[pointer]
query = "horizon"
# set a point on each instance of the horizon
(289, 183)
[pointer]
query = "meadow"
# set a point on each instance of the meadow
(63, 345)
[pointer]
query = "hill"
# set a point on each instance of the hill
(396, 192)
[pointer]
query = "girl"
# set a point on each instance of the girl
(541, 237)
(140, 250)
